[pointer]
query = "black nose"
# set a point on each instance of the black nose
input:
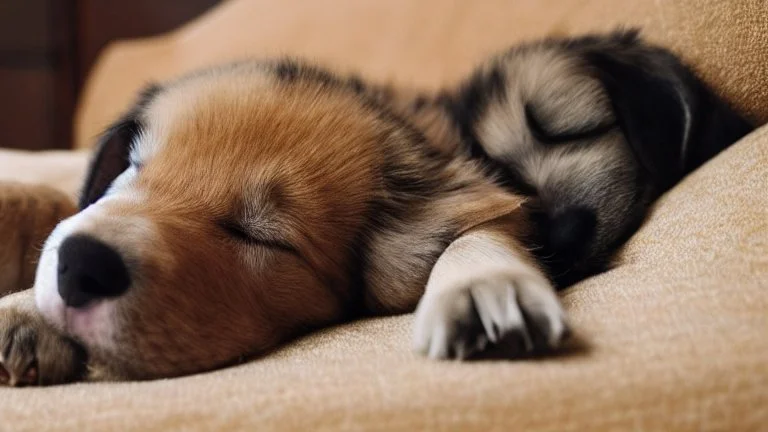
(564, 237)
(571, 232)
(89, 270)
(563, 241)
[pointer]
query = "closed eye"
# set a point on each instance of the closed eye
(236, 231)
(547, 137)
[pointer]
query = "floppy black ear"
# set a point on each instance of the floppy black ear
(652, 108)
(111, 156)
(716, 126)
(110, 159)
(672, 121)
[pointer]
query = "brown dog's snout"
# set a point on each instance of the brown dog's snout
(89, 270)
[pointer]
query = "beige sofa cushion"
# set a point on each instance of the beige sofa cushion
(676, 340)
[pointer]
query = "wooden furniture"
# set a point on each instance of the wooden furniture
(47, 48)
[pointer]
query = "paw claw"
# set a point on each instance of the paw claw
(12, 377)
(33, 353)
(27, 378)
(521, 311)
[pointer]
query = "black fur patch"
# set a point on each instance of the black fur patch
(471, 101)
(287, 70)
(112, 150)
(715, 127)
(651, 114)
(290, 70)
(672, 121)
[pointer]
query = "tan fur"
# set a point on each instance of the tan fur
(28, 213)
(425, 111)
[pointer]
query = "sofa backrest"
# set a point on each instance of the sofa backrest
(430, 43)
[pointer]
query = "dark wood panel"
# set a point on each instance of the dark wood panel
(37, 82)
(24, 26)
(47, 48)
(27, 113)
(62, 22)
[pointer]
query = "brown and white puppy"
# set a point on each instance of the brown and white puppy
(595, 128)
(235, 208)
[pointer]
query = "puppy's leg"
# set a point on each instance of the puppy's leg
(28, 213)
(31, 351)
(486, 288)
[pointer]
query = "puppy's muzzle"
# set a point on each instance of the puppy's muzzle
(570, 232)
(88, 270)
(564, 239)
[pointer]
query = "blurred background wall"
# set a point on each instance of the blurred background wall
(47, 48)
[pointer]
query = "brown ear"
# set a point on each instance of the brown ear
(111, 156)
(485, 205)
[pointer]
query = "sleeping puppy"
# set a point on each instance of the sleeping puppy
(595, 128)
(235, 208)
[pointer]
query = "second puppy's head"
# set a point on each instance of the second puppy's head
(595, 128)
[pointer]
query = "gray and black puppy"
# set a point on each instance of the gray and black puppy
(595, 128)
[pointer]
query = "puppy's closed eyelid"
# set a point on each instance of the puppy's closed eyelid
(240, 233)
(547, 137)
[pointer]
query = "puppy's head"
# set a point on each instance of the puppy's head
(595, 127)
(219, 218)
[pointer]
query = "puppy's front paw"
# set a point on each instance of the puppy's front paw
(33, 353)
(519, 310)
